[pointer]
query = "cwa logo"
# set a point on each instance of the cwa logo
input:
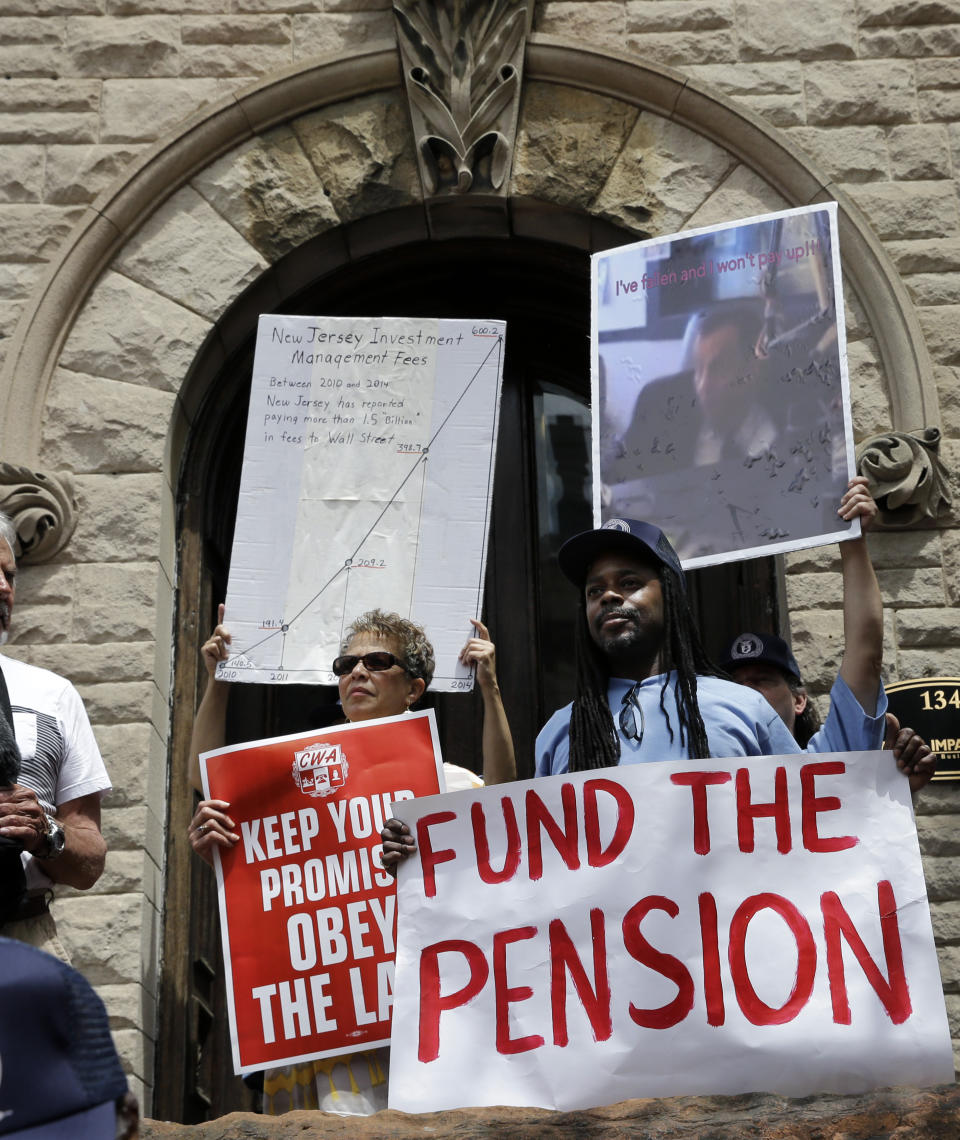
(320, 769)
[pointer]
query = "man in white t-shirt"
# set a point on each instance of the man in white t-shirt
(53, 810)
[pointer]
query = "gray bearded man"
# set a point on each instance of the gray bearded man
(51, 808)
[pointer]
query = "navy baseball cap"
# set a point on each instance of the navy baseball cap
(60, 1076)
(628, 536)
(761, 648)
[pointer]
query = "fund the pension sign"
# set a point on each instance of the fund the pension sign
(650, 930)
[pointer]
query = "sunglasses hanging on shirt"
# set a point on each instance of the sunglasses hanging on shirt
(628, 715)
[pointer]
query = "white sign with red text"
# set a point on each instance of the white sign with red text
(709, 927)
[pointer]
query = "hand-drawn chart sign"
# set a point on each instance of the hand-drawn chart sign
(366, 482)
(670, 929)
(720, 383)
(307, 913)
(931, 705)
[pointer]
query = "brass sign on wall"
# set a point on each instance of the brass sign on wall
(931, 705)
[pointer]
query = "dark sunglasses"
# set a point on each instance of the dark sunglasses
(628, 718)
(374, 662)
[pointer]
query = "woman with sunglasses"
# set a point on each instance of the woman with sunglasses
(385, 665)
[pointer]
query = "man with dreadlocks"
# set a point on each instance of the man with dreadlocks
(646, 689)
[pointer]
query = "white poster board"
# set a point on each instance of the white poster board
(666, 929)
(720, 389)
(367, 478)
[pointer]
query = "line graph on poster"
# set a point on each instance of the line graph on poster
(366, 483)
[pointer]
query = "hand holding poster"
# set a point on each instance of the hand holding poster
(667, 929)
(307, 913)
(720, 384)
(367, 478)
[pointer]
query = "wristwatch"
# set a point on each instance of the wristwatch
(55, 840)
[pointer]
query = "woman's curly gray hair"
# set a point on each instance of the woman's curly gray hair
(409, 638)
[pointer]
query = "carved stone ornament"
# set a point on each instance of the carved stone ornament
(906, 477)
(463, 65)
(43, 509)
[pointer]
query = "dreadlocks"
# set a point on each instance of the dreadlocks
(594, 742)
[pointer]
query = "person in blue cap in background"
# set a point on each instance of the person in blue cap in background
(60, 1076)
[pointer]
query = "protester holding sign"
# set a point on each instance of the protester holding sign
(385, 667)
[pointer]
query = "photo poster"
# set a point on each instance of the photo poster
(307, 913)
(683, 928)
(366, 483)
(720, 387)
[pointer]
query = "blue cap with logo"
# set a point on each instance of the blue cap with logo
(60, 1076)
(761, 649)
(627, 536)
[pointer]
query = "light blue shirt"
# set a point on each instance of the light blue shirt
(739, 722)
(848, 728)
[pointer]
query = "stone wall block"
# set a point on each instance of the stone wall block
(118, 519)
(813, 558)
(29, 232)
(849, 154)
(872, 13)
(948, 389)
(568, 142)
(88, 664)
(663, 175)
(136, 1052)
(915, 663)
(910, 43)
(141, 110)
(949, 959)
(925, 256)
(822, 29)
(931, 628)
(76, 174)
(21, 173)
(934, 288)
(919, 152)
(335, 34)
(125, 829)
(868, 396)
(678, 49)
(909, 209)
(849, 93)
(127, 331)
(945, 918)
(938, 799)
(950, 540)
(125, 1002)
(941, 106)
(49, 128)
(93, 424)
(136, 45)
(910, 587)
(602, 22)
(817, 640)
(813, 591)
(269, 191)
(939, 835)
(224, 60)
(169, 255)
(31, 46)
(40, 625)
(102, 935)
(941, 325)
(740, 195)
(115, 602)
(890, 550)
(363, 154)
(18, 281)
(126, 751)
(44, 96)
(230, 29)
(677, 15)
(118, 702)
(943, 879)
